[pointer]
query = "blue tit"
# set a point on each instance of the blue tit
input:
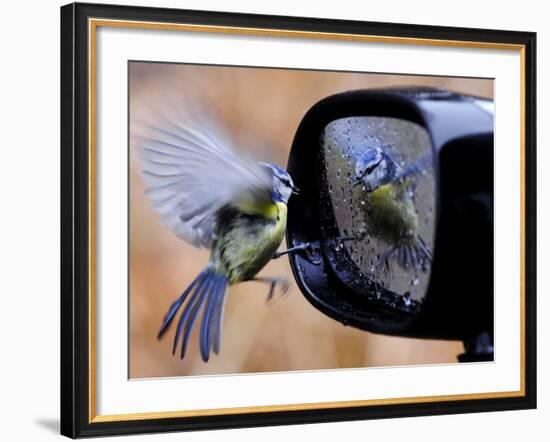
(212, 197)
(390, 212)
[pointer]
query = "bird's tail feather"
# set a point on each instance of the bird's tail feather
(417, 256)
(209, 289)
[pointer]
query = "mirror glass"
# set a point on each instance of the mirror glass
(381, 182)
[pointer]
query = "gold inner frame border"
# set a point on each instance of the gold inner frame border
(93, 24)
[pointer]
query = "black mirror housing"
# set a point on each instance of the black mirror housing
(458, 303)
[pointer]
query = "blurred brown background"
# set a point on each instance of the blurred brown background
(261, 109)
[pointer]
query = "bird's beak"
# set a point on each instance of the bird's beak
(295, 191)
(356, 181)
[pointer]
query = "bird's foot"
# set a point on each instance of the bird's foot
(358, 235)
(383, 261)
(273, 283)
(309, 249)
(408, 257)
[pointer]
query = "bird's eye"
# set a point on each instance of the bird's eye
(370, 168)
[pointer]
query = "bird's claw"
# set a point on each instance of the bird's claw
(307, 247)
(310, 251)
(273, 283)
(283, 283)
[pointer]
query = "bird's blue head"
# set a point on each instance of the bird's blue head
(373, 168)
(283, 186)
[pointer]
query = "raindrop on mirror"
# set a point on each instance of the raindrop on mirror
(382, 190)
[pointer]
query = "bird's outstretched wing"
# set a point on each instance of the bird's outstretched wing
(191, 171)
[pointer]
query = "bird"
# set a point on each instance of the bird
(389, 209)
(212, 196)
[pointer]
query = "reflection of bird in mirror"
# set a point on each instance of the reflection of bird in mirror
(389, 208)
(213, 198)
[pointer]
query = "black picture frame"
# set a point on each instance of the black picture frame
(76, 407)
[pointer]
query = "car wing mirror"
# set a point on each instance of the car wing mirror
(396, 200)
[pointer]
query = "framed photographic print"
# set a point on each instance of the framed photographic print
(278, 220)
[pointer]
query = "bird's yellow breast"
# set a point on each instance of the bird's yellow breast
(280, 218)
(392, 213)
(247, 243)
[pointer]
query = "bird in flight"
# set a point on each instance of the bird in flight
(390, 210)
(212, 197)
